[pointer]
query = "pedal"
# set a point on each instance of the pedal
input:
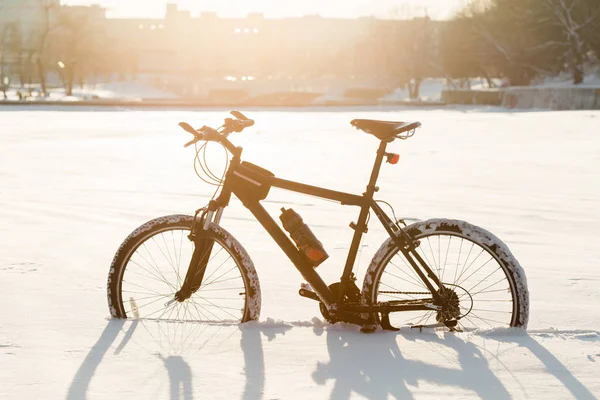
(306, 291)
(386, 325)
(451, 325)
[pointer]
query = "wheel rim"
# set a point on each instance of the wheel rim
(490, 298)
(155, 270)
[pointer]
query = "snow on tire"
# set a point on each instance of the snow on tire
(437, 237)
(137, 254)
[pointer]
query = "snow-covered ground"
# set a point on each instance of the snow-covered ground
(430, 90)
(565, 80)
(108, 90)
(74, 182)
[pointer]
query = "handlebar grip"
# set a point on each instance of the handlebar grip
(239, 125)
(239, 115)
(245, 123)
(188, 128)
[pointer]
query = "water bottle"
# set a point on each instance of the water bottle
(303, 237)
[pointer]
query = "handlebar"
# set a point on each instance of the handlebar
(219, 135)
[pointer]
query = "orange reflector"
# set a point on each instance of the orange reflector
(393, 158)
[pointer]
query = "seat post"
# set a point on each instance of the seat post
(372, 188)
(361, 225)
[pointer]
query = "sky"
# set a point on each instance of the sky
(438, 9)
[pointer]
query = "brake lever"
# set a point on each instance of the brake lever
(188, 128)
(191, 142)
(197, 135)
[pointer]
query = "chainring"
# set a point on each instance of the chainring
(352, 295)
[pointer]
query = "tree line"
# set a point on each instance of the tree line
(522, 39)
(519, 40)
(64, 43)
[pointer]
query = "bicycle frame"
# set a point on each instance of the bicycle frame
(366, 203)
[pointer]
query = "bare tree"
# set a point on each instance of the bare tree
(3, 59)
(75, 44)
(49, 10)
(18, 52)
(573, 18)
(525, 39)
(419, 55)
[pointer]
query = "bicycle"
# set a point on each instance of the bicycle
(420, 271)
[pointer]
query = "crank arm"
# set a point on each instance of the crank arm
(309, 294)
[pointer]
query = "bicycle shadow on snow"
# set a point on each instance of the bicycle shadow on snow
(369, 365)
(178, 343)
(81, 381)
(374, 366)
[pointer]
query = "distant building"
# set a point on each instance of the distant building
(196, 55)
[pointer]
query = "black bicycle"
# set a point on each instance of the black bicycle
(434, 273)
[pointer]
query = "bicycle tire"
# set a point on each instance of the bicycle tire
(467, 235)
(138, 245)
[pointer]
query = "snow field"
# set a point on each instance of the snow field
(74, 184)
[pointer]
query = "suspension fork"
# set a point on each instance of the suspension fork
(202, 251)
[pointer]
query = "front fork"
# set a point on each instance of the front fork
(202, 250)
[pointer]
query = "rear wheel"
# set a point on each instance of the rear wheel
(149, 268)
(485, 287)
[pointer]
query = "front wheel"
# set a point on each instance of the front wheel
(149, 268)
(485, 282)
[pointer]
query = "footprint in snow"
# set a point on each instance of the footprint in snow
(9, 346)
(21, 267)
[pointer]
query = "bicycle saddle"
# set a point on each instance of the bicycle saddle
(384, 130)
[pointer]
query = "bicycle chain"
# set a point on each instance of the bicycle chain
(389, 292)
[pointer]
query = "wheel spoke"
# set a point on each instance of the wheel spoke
(458, 260)
(221, 289)
(494, 311)
(405, 280)
(466, 261)
(445, 260)
(220, 276)
(150, 302)
(472, 262)
(432, 255)
(403, 270)
(157, 277)
(216, 269)
(222, 280)
(141, 287)
(492, 285)
(216, 306)
(154, 261)
(477, 270)
(154, 279)
(180, 281)
(207, 310)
